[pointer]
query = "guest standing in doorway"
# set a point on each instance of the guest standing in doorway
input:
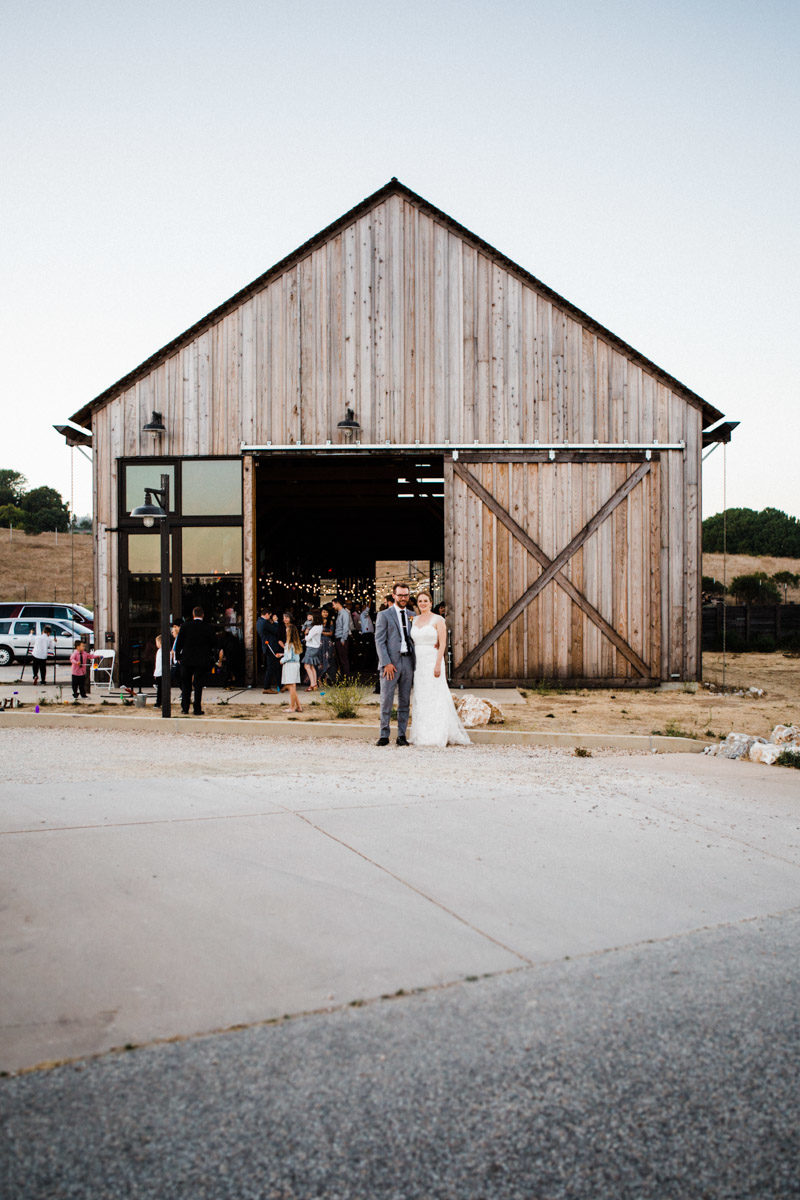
(328, 656)
(342, 631)
(313, 652)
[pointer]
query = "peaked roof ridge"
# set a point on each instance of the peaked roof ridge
(393, 187)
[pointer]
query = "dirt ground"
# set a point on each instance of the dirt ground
(693, 712)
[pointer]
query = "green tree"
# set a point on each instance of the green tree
(757, 588)
(786, 579)
(44, 510)
(769, 531)
(11, 515)
(12, 486)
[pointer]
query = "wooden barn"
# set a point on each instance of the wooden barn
(394, 390)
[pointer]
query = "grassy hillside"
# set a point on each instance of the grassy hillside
(42, 567)
(745, 564)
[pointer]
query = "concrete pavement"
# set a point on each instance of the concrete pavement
(157, 887)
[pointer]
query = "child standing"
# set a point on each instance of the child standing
(158, 670)
(79, 660)
(290, 676)
(43, 645)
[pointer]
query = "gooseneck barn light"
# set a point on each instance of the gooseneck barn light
(148, 511)
(149, 514)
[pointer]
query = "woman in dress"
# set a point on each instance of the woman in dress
(434, 720)
(290, 675)
(313, 654)
(326, 645)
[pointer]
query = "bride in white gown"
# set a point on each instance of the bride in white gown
(434, 720)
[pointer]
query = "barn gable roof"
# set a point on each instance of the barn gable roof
(393, 187)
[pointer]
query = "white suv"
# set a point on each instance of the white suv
(16, 638)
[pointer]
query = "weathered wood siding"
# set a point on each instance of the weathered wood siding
(428, 338)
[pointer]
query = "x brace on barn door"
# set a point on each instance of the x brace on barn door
(552, 569)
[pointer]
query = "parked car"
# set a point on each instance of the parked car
(30, 610)
(16, 638)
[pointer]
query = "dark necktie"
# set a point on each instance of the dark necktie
(404, 623)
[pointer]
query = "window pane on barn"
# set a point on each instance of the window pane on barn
(138, 477)
(211, 488)
(144, 553)
(212, 550)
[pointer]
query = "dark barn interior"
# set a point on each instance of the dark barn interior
(328, 518)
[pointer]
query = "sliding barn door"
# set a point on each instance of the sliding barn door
(552, 567)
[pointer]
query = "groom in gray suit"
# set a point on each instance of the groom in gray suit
(397, 661)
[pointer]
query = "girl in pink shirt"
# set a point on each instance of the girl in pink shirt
(79, 660)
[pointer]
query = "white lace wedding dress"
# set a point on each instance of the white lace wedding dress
(434, 720)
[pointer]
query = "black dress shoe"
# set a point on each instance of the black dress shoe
(402, 740)
(198, 712)
(382, 742)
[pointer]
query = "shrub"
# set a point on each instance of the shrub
(712, 587)
(756, 588)
(788, 758)
(344, 696)
(672, 729)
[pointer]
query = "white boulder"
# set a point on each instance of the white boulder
(737, 745)
(782, 734)
(473, 711)
(764, 752)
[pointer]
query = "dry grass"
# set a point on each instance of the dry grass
(41, 567)
(745, 564)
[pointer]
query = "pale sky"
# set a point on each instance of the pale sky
(639, 158)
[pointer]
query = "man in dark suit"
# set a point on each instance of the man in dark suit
(194, 650)
(269, 631)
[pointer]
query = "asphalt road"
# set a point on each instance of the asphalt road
(668, 1070)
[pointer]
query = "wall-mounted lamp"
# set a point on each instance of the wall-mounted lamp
(149, 514)
(156, 427)
(148, 511)
(349, 427)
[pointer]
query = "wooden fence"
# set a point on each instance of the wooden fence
(750, 626)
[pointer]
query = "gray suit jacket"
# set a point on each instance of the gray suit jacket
(387, 638)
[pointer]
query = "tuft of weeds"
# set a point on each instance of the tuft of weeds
(344, 697)
(545, 687)
(788, 758)
(582, 752)
(673, 729)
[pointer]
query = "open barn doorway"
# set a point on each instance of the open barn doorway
(346, 524)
